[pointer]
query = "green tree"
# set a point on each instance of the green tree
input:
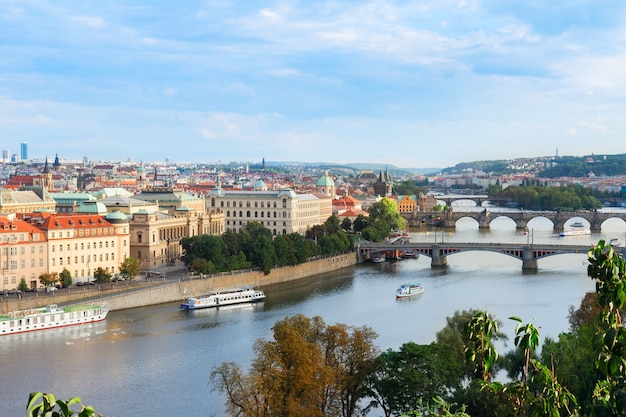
(262, 253)
(346, 224)
(386, 210)
(608, 269)
(130, 268)
(101, 275)
(22, 286)
(360, 223)
(410, 378)
(332, 224)
(65, 277)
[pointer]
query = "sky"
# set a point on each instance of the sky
(406, 83)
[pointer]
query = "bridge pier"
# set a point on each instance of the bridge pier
(437, 260)
(529, 262)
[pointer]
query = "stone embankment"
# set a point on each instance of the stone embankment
(144, 294)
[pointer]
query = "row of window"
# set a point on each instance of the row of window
(82, 259)
(22, 249)
(82, 245)
(85, 232)
(13, 264)
(248, 204)
(256, 214)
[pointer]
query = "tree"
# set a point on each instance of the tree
(308, 369)
(387, 210)
(130, 267)
(346, 224)
(360, 223)
(65, 278)
(332, 224)
(22, 285)
(101, 275)
(262, 254)
(48, 278)
(410, 378)
(46, 404)
(455, 337)
(608, 269)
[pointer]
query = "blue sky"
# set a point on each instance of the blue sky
(409, 83)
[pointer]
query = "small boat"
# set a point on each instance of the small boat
(50, 317)
(615, 242)
(409, 290)
(410, 254)
(224, 298)
(576, 229)
(378, 259)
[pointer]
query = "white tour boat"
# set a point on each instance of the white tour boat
(409, 290)
(224, 298)
(50, 317)
(615, 242)
(576, 229)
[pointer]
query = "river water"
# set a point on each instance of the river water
(157, 360)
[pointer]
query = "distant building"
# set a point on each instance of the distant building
(24, 151)
(282, 212)
(406, 204)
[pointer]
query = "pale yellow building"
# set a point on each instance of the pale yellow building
(282, 212)
(82, 243)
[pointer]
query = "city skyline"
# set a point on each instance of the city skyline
(413, 84)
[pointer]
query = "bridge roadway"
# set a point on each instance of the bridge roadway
(438, 252)
(520, 217)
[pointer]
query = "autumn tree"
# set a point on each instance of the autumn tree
(48, 278)
(308, 369)
(130, 268)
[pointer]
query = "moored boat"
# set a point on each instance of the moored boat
(223, 298)
(409, 290)
(49, 317)
(576, 229)
(615, 242)
(378, 259)
(410, 254)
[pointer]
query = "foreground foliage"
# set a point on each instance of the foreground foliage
(47, 405)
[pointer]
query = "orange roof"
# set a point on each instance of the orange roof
(47, 221)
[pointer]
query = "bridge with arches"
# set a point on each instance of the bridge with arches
(438, 252)
(521, 218)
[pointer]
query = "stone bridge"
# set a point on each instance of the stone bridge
(520, 217)
(438, 252)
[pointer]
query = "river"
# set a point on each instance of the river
(157, 360)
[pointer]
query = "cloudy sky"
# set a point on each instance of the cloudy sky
(410, 83)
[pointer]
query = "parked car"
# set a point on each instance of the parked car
(154, 274)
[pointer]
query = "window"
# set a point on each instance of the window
(22, 250)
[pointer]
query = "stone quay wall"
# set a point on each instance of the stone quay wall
(167, 291)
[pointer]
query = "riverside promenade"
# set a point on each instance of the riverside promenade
(175, 285)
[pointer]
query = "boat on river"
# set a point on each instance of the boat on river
(615, 242)
(224, 298)
(409, 290)
(49, 317)
(576, 229)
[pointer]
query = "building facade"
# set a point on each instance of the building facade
(23, 253)
(282, 212)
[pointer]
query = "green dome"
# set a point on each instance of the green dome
(116, 217)
(325, 181)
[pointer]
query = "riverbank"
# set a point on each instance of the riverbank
(142, 294)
